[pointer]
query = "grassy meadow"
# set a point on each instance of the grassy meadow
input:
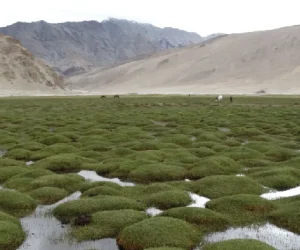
(156, 142)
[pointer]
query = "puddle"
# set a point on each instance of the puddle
(51, 129)
(198, 201)
(275, 195)
(2, 152)
(194, 138)
(160, 123)
(280, 239)
(93, 176)
(29, 163)
(45, 232)
(245, 142)
(225, 130)
(152, 211)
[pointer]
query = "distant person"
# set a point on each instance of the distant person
(231, 99)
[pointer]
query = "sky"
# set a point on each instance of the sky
(204, 17)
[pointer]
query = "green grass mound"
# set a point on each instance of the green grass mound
(205, 219)
(281, 154)
(49, 140)
(222, 185)
(252, 163)
(108, 224)
(69, 182)
(244, 153)
(54, 149)
(19, 154)
(238, 244)
(178, 139)
(101, 191)
(261, 146)
(48, 195)
(146, 145)
(287, 216)
(145, 191)
(11, 234)
(278, 178)
(120, 167)
(85, 206)
(157, 172)
(179, 156)
(21, 181)
(168, 199)
(63, 163)
(8, 172)
(5, 162)
(31, 146)
(91, 154)
(216, 165)
(86, 186)
(97, 146)
(242, 208)
(202, 152)
(16, 203)
(164, 248)
(158, 232)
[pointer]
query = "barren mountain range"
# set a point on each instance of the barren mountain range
(76, 47)
(119, 56)
(21, 73)
(248, 63)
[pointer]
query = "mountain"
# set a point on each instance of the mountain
(248, 63)
(75, 47)
(22, 74)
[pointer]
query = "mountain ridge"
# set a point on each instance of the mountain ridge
(76, 47)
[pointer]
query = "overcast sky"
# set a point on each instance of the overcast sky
(203, 17)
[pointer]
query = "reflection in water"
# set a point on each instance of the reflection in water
(93, 176)
(280, 239)
(2, 152)
(152, 211)
(44, 232)
(198, 201)
(275, 195)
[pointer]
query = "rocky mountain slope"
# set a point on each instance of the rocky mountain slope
(22, 74)
(74, 47)
(249, 63)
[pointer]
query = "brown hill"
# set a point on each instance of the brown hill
(22, 74)
(249, 63)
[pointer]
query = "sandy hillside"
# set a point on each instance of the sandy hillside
(22, 74)
(267, 61)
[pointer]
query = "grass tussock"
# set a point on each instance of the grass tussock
(158, 232)
(168, 199)
(48, 195)
(242, 209)
(108, 224)
(246, 244)
(11, 233)
(222, 185)
(204, 219)
(16, 203)
(70, 210)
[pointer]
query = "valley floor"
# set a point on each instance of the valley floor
(150, 172)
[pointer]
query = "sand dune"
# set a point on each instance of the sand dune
(21, 74)
(266, 61)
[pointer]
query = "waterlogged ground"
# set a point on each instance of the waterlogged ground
(149, 173)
